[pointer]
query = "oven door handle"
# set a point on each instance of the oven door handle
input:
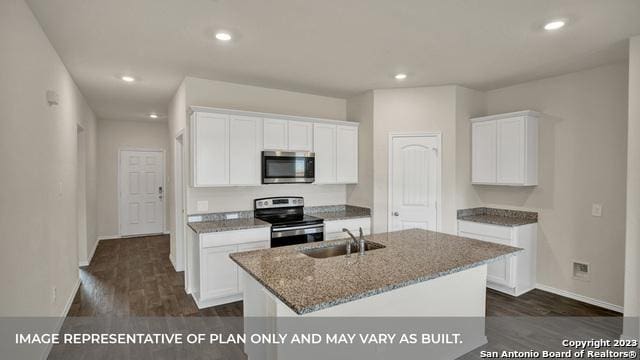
(297, 230)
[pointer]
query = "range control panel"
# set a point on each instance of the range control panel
(278, 202)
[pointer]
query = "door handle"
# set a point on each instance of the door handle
(395, 213)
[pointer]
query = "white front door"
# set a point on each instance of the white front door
(141, 185)
(414, 185)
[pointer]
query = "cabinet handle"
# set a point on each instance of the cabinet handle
(395, 213)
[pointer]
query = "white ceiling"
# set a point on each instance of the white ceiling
(330, 47)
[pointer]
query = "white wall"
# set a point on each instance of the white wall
(38, 149)
(583, 150)
(113, 136)
(177, 123)
(632, 269)
(427, 109)
(360, 109)
(469, 104)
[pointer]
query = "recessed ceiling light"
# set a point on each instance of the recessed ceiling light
(400, 76)
(223, 36)
(127, 78)
(554, 25)
(153, 116)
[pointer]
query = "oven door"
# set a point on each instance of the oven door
(283, 167)
(293, 235)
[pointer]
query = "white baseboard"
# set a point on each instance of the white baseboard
(585, 299)
(67, 306)
(63, 316)
(108, 237)
(202, 304)
(173, 262)
(95, 246)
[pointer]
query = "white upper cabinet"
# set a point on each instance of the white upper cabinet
(244, 150)
(505, 149)
(288, 135)
(210, 149)
(275, 134)
(324, 142)
(300, 135)
(347, 154)
(226, 146)
(483, 152)
(336, 149)
(225, 150)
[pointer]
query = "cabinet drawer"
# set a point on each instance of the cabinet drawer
(501, 234)
(234, 237)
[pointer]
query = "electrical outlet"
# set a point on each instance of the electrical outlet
(231, 216)
(596, 210)
(203, 205)
(54, 294)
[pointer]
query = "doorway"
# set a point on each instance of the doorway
(414, 181)
(141, 192)
(179, 214)
(81, 197)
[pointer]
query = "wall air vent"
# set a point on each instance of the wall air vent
(581, 271)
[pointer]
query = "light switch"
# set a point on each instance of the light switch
(203, 205)
(596, 209)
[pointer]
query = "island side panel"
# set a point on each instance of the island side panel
(461, 293)
(259, 310)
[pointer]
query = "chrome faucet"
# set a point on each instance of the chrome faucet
(359, 243)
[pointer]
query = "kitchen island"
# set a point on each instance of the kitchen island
(417, 273)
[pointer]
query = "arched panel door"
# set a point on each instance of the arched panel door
(414, 182)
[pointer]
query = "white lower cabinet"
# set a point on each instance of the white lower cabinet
(218, 281)
(220, 275)
(333, 229)
(514, 275)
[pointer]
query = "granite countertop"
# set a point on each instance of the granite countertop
(216, 222)
(338, 212)
(227, 225)
(500, 217)
(306, 284)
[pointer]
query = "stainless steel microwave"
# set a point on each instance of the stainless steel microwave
(288, 167)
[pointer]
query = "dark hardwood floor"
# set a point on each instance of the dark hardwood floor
(134, 277)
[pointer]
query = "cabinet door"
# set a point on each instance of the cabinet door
(210, 149)
(219, 275)
(500, 272)
(249, 247)
(347, 155)
(300, 136)
(483, 152)
(510, 159)
(275, 134)
(324, 145)
(244, 152)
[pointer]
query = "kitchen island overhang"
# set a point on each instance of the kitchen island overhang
(307, 285)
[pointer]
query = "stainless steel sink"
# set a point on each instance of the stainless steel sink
(340, 249)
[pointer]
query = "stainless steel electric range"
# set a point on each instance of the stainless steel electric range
(289, 224)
